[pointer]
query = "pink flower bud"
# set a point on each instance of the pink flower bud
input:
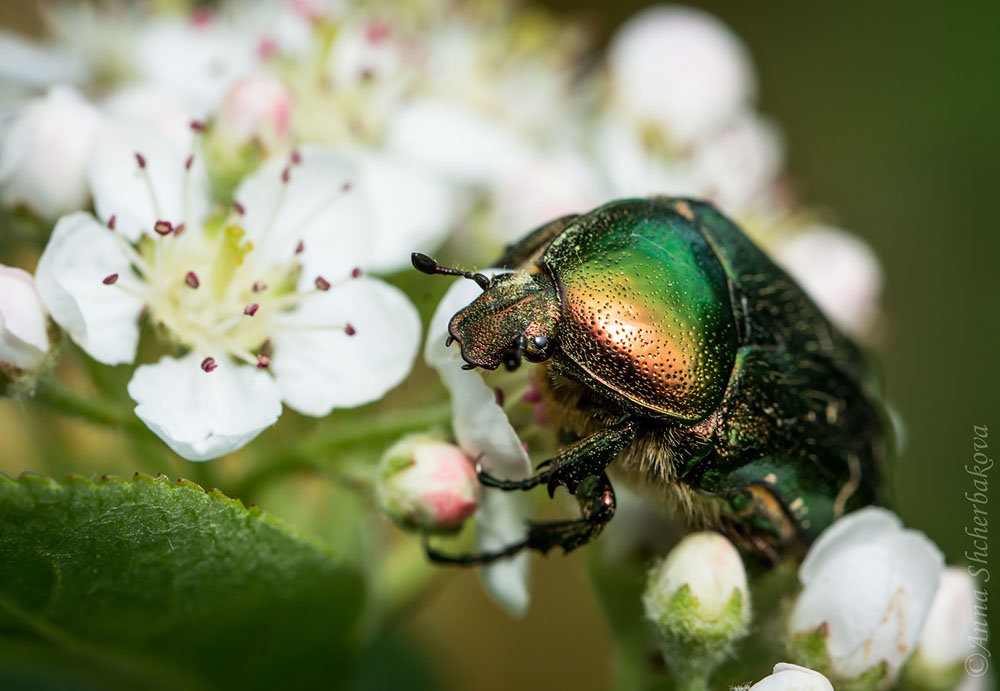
(24, 339)
(426, 484)
(256, 109)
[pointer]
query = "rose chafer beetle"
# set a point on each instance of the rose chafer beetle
(672, 343)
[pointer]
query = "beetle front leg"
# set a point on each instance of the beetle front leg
(596, 498)
(578, 461)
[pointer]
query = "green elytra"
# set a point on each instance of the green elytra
(673, 344)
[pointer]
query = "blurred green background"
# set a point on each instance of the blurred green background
(890, 113)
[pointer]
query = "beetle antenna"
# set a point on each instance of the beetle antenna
(424, 264)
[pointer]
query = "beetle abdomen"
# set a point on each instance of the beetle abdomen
(645, 307)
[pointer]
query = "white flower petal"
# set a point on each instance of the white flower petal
(456, 142)
(737, 165)
(334, 224)
(500, 522)
(44, 158)
(319, 368)
(856, 528)
(483, 431)
(840, 272)
(147, 105)
(788, 677)
(480, 425)
(24, 341)
(101, 319)
(634, 171)
(412, 208)
(138, 198)
(38, 65)
(681, 68)
(951, 621)
(197, 60)
(203, 415)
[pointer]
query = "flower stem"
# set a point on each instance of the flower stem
(97, 411)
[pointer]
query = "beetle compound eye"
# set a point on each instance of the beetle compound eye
(537, 348)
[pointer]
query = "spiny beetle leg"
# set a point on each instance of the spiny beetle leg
(587, 457)
(596, 498)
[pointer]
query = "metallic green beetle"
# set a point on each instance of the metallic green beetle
(672, 343)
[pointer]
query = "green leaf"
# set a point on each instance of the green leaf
(154, 584)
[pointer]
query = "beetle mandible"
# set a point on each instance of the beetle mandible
(672, 343)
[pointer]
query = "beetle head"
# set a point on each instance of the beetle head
(514, 318)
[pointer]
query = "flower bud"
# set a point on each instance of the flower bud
(425, 484)
(868, 585)
(938, 662)
(787, 677)
(680, 69)
(43, 162)
(698, 602)
(24, 338)
(253, 123)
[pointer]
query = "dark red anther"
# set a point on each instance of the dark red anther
(140, 159)
(296, 157)
(188, 162)
(498, 394)
(356, 272)
(238, 206)
(349, 329)
(286, 174)
(109, 279)
(191, 279)
(197, 126)
(322, 283)
(111, 222)
(346, 187)
(179, 229)
(163, 227)
(251, 309)
(258, 286)
(299, 247)
(208, 364)
(263, 361)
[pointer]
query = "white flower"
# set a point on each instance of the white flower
(950, 624)
(44, 156)
(868, 585)
(24, 339)
(681, 69)
(267, 299)
(542, 189)
(839, 272)
(715, 600)
(426, 484)
(788, 677)
(483, 431)
(197, 58)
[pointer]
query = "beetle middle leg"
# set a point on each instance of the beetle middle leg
(596, 498)
(585, 458)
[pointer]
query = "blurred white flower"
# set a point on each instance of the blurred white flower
(944, 641)
(44, 156)
(839, 272)
(680, 69)
(426, 484)
(256, 109)
(542, 189)
(268, 300)
(868, 585)
(24, 338)
(197, 57)
(483, 432)
(788, 677)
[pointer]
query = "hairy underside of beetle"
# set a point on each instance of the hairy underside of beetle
(649, 466)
